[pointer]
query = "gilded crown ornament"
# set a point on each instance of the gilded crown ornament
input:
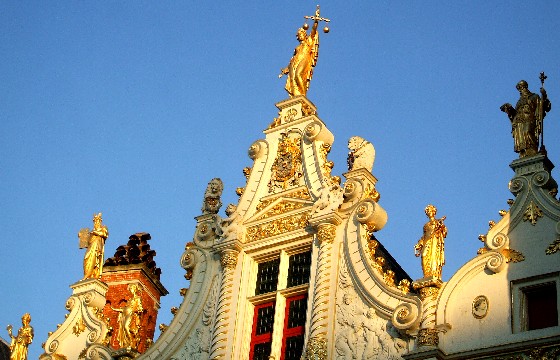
(300, 68)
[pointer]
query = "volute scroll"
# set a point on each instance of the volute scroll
(371, 214)
(406, 317)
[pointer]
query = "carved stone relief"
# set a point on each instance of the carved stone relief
(360, 332)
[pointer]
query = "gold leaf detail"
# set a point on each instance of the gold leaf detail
(79, 327)
(389, 278)
(286, 169)
(281, 208)
(371, 193)
(532, 213)
(512, 255)
(277, 227)
(554, 247)
(404, 286)
(299, 194)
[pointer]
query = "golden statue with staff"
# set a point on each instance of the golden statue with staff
(527, 119)
(300, 68)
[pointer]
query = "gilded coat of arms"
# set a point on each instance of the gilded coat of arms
(286, 169)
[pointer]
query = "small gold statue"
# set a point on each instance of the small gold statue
(430, 245)
(300, 68)
(129, 319)
(20, 343)
(94, 241)
(527, 119)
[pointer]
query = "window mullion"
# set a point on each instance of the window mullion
(277, 333)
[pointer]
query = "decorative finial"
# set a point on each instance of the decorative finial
(300, 68)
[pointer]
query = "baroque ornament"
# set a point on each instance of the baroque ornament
(554, 247)
(277, 227)
(79, 327)
(326, 233)
(316, 349)
(327, 165)
(532, 214)
(512, 255)
(286, 169)
(298, 194)
(228, 259)
(480, 307)
(428, 337)
(282, 208)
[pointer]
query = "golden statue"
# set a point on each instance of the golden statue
(430, 245)
(20, 343)
(129, 319)
(527, 118)
(300, 68)
(94, 241)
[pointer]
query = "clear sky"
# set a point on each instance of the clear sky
(130, 108)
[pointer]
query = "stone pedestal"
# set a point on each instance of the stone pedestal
(428, 336)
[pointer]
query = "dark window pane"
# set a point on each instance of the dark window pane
(542, 311)
(296, 313)
(294, 347)
(299, 268)
(267, 277)
(265, 320)
(262, 351)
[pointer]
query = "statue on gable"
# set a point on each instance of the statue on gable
(527, 118)
(361, 154)
(430, 245)
(94, 241)
(300, 68)
(19, 344)
(212, 202)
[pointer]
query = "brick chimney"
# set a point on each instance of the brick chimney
(133, 263)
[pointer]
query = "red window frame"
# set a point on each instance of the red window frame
(298, 330)
(262, 338)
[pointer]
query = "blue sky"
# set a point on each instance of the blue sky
(130, 108)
